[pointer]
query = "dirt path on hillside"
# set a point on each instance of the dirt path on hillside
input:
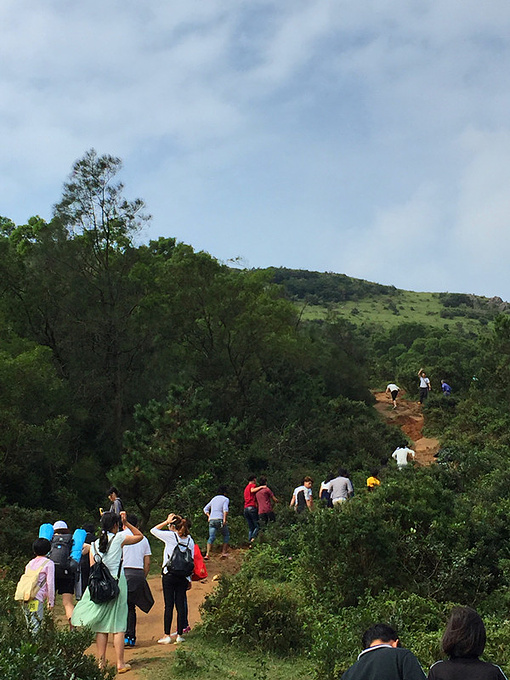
(409, 418)
(149, 626)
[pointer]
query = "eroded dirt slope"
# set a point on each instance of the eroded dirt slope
(409, 418)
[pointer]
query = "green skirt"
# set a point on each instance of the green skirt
(109, 617)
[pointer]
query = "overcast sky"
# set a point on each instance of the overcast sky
(368, 138)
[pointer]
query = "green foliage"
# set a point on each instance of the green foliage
(337, 637)
(255, 613)
(34, 432)
(321, 288)
(49, 653)
(19, 527)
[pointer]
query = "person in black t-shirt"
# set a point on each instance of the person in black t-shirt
(383, 659)
(464, 641)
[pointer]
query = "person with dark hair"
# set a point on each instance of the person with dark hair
(373, 481)
(446, 389)
(302, 498)
(424, 385)
(265, 499)
(137, 563)
(340, 488)
(45, 580)
(393, 391)
(382, 658)
(463, 642)
(109, 617)
(217, 512)
(251, 513)
(401, 455)
(116, 504)
(175, 585)
(324, 493)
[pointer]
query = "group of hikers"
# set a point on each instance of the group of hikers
(463, 643)
(393, 389)
(108, 576)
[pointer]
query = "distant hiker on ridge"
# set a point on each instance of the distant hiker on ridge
(400, 455)
(424, 385)
(393, 390)
(446, 389)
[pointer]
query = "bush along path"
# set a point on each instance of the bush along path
(409, 417)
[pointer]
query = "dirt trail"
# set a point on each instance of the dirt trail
(149, 626)
(409, 418)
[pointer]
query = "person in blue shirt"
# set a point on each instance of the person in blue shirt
(447, 390)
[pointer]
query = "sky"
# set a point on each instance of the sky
(366, 138)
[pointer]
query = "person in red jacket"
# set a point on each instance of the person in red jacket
(251, 514)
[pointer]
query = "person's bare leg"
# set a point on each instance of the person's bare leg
(67, 601)
(224, 551)
(101, 642)
(118, 643)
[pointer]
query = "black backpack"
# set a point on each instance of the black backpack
(301, 502)
(103, 587)
(181, 562)
(60, 553)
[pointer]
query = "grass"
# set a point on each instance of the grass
(386, 311)
(203, 660)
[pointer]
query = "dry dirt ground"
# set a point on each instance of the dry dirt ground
(409, 418)
(149, 626)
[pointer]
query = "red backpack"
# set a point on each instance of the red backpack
(199, 572)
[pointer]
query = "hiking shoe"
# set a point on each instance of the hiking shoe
(165, 640)
(178, 639)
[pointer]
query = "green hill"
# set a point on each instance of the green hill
(326, 296)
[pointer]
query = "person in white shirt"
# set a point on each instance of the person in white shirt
(401, 454)
(137, 563)
(302, 496)
(174, 585)
(217, 513)
(424, 385)
(393, 390)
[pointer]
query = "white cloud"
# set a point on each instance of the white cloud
(483, 227)
(313, 133)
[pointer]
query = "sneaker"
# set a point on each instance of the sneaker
(129, 641)
(179, 638)
(186, 630)
(166, 640)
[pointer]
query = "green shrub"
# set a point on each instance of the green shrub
(19, 527)
(254, 613)
(49, 654)
(337, 638)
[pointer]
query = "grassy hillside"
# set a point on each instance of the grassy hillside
(325, 296)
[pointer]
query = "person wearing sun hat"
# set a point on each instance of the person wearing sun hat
(61, 544)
